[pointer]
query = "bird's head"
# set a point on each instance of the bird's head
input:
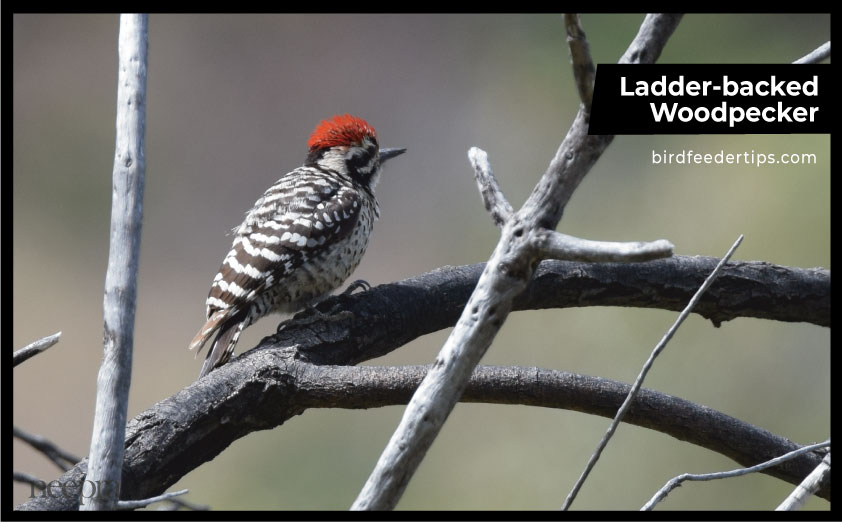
(348, 145)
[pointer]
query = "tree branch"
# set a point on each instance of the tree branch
(128, 505)
(495, 202)
(26, 478)
(506, 275)
(121, 277)
(61, 458)
(555, 245)
(820, 53)
(675, 482)
(638, 382)
(190, 428)
(33, 349)
(265, 387)
(580, 56)
(391, 315)
(808, 486)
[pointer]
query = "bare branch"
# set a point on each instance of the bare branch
(61, 458)
(580, 55)
(177, 503)
(265, 389)
(808, 487)
(33, 349)
(506, 275)
(579, 151)
(267, 386)
(651, 38)
(391, 315)
(107, 442)
(675, 482)
(186, 430)
(820, 53)
(127, 505)
(642, 375)
(493, 198)
(26, 478)
(555, 245)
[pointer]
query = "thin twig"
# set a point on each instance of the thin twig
(26, 478)
(555, 245)
(642, 375)
(808, 487)
(675, 482)
(126, 505)
(580, 55)
(817, 55)
(177, 503)
(61, 458)
(114, 378)
(31, 350)
(493, 198)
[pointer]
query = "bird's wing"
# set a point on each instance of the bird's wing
(278, 235)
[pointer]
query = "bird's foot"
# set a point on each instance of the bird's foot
(359, 283)
(334, 314)
(313, 315)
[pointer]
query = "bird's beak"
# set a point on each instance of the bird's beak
(390, 153)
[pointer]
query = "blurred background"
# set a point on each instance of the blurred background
(231, 103)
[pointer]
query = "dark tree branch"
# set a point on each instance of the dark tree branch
(394, 314)
(391, 315)
(267, 386)
(61, 458)
(373, 386)
(26, 478)
(744, 289)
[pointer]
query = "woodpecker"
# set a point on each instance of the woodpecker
(302, 238)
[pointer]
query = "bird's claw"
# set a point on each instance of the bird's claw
(359, 283)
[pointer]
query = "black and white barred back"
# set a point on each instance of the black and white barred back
(303, 238)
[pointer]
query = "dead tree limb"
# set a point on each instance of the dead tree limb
(506, 275)
(114, 378)
(307, 365)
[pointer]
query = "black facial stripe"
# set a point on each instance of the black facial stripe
(363, 164)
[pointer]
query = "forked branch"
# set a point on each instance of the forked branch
(506, 275)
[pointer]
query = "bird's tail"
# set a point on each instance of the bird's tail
(223, 346)
(208, 329)
(227, 329)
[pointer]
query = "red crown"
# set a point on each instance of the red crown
(340, 130)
